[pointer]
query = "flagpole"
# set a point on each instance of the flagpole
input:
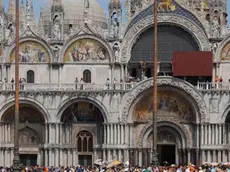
(154, 125)
(16, 160)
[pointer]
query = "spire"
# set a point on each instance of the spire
(1, 7)
(57, 6)
(30, 19)
(11, 11)
(33, 23)
(22, 14)
(114, 4)
(57, 2)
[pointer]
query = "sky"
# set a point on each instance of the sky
(104, 3)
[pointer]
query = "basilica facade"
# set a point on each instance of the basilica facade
(86, 82)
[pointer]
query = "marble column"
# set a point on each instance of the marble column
(209, 134)
(46, 158)
(119, 155)
(119, 135)
(112, 133)
(213, 134)
(56, 133)
(108, 134)
(50, 134)
(39, 159)
(105, 134)
(206, 134)
(122, 134)
(122, 72)
(203, 156)
(219, 156)
(104, 154)
(112, 72)
(74, 158)
(208, 156)
(225, 159)
(189, 156)
(216, 136)
(61, 157)
(61, 133)
(224, 134)
(46, 133)
(50, 158)
(228, 155)
(202, 134)
(214, 156)
(127, 134)
(220, 134)
(140, 158)
(56, 157)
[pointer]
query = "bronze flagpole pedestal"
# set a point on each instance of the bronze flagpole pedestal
(154, 125)
(16, 160)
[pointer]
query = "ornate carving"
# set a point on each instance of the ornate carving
(169, 81)
(213, 105)
(132, 35)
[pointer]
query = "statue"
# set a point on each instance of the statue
(86, 6)
(116, 50)
(115, 25)
(56, 31)
(215, 27)
(56, 51)
(28, 7)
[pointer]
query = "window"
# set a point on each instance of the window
(30, 76)
(84, 142)
(87, 76)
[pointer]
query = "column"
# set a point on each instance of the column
(94, 155)
(46, 158)
(119, 155)
(39, 158)
(140, 158)
(131, 135)
(208, 156)
(57, 133)
(203, 156)
(74, 158)
(108, 155)
(104, 154)
(50, 158)
(67, 133)
(61, 157)
(228, 155)
(119, 133)
(224, 135)
(122, 72)
(126, 134)
(206, 134)
(126, 72)
(108, 134)
(105, 134)
(122, 134)
(209, 134)
(61, 134)
(216, 136)
(9, 132)
(42, 163)
(112, 72)
(213, 134)
(220, 134)
(225, 159)
(202, 134)
(112, 133)
(214, 156)
(46, 133)
(56, 157)
(228, 134)
(219, 156)
(50, 133)
(115, 133)
(189, 156)
(70, 133)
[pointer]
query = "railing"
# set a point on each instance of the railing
(67, 87)
(213, 86)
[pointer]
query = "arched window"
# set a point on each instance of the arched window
(84, 142)
(30, 76)
(87, 76)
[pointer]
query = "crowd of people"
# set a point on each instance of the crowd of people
(125, 167)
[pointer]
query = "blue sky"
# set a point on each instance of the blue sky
(104, 4)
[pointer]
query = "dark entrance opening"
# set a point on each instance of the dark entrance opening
(85, 160)
(167, 154)
(28, 159)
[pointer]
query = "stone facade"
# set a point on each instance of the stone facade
(67, 121)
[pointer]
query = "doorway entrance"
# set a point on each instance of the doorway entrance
(85, 160)
(167, 153)
(28, 159)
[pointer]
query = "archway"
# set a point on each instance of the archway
(31, 131)
(171, 39)
(83, 122)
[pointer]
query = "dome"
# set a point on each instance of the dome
(74, 14)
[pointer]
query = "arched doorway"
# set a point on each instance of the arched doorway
(176, 115)
(31, 132)
(86, 121)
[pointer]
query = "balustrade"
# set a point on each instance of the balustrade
(67, 87)
(213, 86)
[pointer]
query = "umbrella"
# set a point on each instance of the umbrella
(98, 162)
(113, 163)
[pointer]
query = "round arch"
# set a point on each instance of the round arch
(177, 130)
(141, 26)
(225, 113)
(10, 103)
(65, 104)
(195, 98)
(40, 41)
(73, 39)
(221, 46)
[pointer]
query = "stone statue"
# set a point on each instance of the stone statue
(56, 51)
(215, 25)
(115, 25)
(86, 6)
(28, 7)
(116, 50)
(214, 47)
(56, 31)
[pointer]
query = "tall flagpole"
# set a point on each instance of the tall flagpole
(154, 125)
(16, 160)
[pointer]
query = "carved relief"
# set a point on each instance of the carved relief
(28, 136)
(213, 105)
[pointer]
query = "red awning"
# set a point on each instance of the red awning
(195, 63)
